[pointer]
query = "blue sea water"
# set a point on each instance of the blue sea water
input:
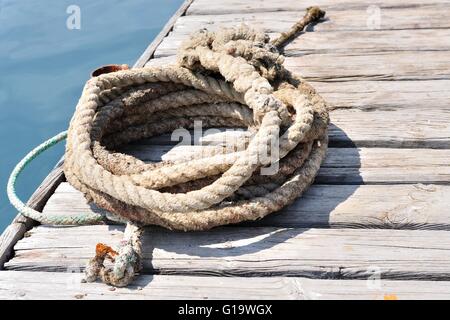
(45, 60)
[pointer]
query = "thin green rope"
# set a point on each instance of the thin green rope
(61, 219)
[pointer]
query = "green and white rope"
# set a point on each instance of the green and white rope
(57, 219)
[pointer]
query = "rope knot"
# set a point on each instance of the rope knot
(127, 261)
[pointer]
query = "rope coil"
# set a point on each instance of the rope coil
(230, 78)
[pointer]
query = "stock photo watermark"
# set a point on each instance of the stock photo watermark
(374, 280)
(373, 21)
(73, 21)
(213, 143)
(73, 282)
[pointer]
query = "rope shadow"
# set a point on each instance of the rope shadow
(277, 228)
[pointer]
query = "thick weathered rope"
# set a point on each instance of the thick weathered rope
(229, 78)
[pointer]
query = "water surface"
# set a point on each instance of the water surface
(44, 64)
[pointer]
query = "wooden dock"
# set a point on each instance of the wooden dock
(376, 223)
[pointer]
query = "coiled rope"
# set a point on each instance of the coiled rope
(229, 78)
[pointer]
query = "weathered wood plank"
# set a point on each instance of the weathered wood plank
(409, 113)
(45, 285)
(386, 95)
(336, 206)
(21, 224)
(370, 41)
(200, 7)
(400, 128)
(256, 251)
(365, 18)
(344, 165)
(422, 93)
(344, 42)
(369, 290)
(408, 65)
(384, 166)
(148, 53)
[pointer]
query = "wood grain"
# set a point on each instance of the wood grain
(415, 206)
(350, 89)
(255, 251)
(364, 18)
(386, 95)
(399, 128)
(343, 165)
(360, 42)
(150, 50)
(21, 224)
(200, 7)
(387, 66)
(59, 285)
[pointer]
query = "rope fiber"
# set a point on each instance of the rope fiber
(230, 78)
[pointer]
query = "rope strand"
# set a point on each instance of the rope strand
(313, 14)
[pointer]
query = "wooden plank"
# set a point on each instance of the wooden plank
(21, 224)
(413, 17)
(400, 128)
(149, 51)
(412, 114)
(433, 65)
(377, 95)
(44, 285)
(369, 290)
(370, 41)
(256, 251)
(384, 166)
(386, 95)
(409, 65)
(345, 42)
(345, 165)
(256, 6)
(337, 206)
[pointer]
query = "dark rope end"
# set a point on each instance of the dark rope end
(314, 13)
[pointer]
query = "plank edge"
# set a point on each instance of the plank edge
(150, 50)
